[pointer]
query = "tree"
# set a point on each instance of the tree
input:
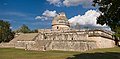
(117, 35)
(6, 33)
(34, 31)
(110, 13)
(117, 32)
(23, 29)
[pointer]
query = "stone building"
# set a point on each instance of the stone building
(60, 22)
(62, 37)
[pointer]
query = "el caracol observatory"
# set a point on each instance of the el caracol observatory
(60, 22)
(62, 37)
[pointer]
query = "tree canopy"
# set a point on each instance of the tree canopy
(23, 29)
(34, 31)
(6, 33)
(110, 14)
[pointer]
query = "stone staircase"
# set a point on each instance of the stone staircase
(24, 37)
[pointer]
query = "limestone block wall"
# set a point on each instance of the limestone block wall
(6, 45)
(56, 27)
(42, 44)
(100, 33)
(64, 45)
(103, 42)
(63, 36)
(28, 45)
(72, 45)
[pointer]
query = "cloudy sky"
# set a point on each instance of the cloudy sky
(39, 13)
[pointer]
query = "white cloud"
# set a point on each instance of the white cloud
(11, 27)
(88, 19)
(55, 2)
(47, 15)
(41, 17)
(84, 3)
(68, 3)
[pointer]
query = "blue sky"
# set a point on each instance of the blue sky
(19, 12)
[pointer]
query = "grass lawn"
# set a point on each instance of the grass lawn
(12, 53)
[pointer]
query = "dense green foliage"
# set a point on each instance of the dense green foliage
(34, 31)
(11, 53)
(25, 29)
(110, 14)
(117, 32)
(6, 33)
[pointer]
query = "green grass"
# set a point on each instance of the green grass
(107, 53)
(12, 53)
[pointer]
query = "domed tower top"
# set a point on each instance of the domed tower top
(60, 21)
(62, 14)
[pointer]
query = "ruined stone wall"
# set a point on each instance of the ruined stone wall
(6, 45)
(63, 40)
(64, 45)
(72, 45)
(60, 27)
(71, 41)
(63, 36)
(27, 45)
(103, 42)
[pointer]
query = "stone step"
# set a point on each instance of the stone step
(7, 45)
(24, 37)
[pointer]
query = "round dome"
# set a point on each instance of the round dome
(60, 21)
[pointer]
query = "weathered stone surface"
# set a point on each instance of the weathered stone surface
(60, 22)
(73, 45)
(6, 45)
(103, 42)
(24, 37)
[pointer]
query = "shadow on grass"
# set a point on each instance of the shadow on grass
(97, 55)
